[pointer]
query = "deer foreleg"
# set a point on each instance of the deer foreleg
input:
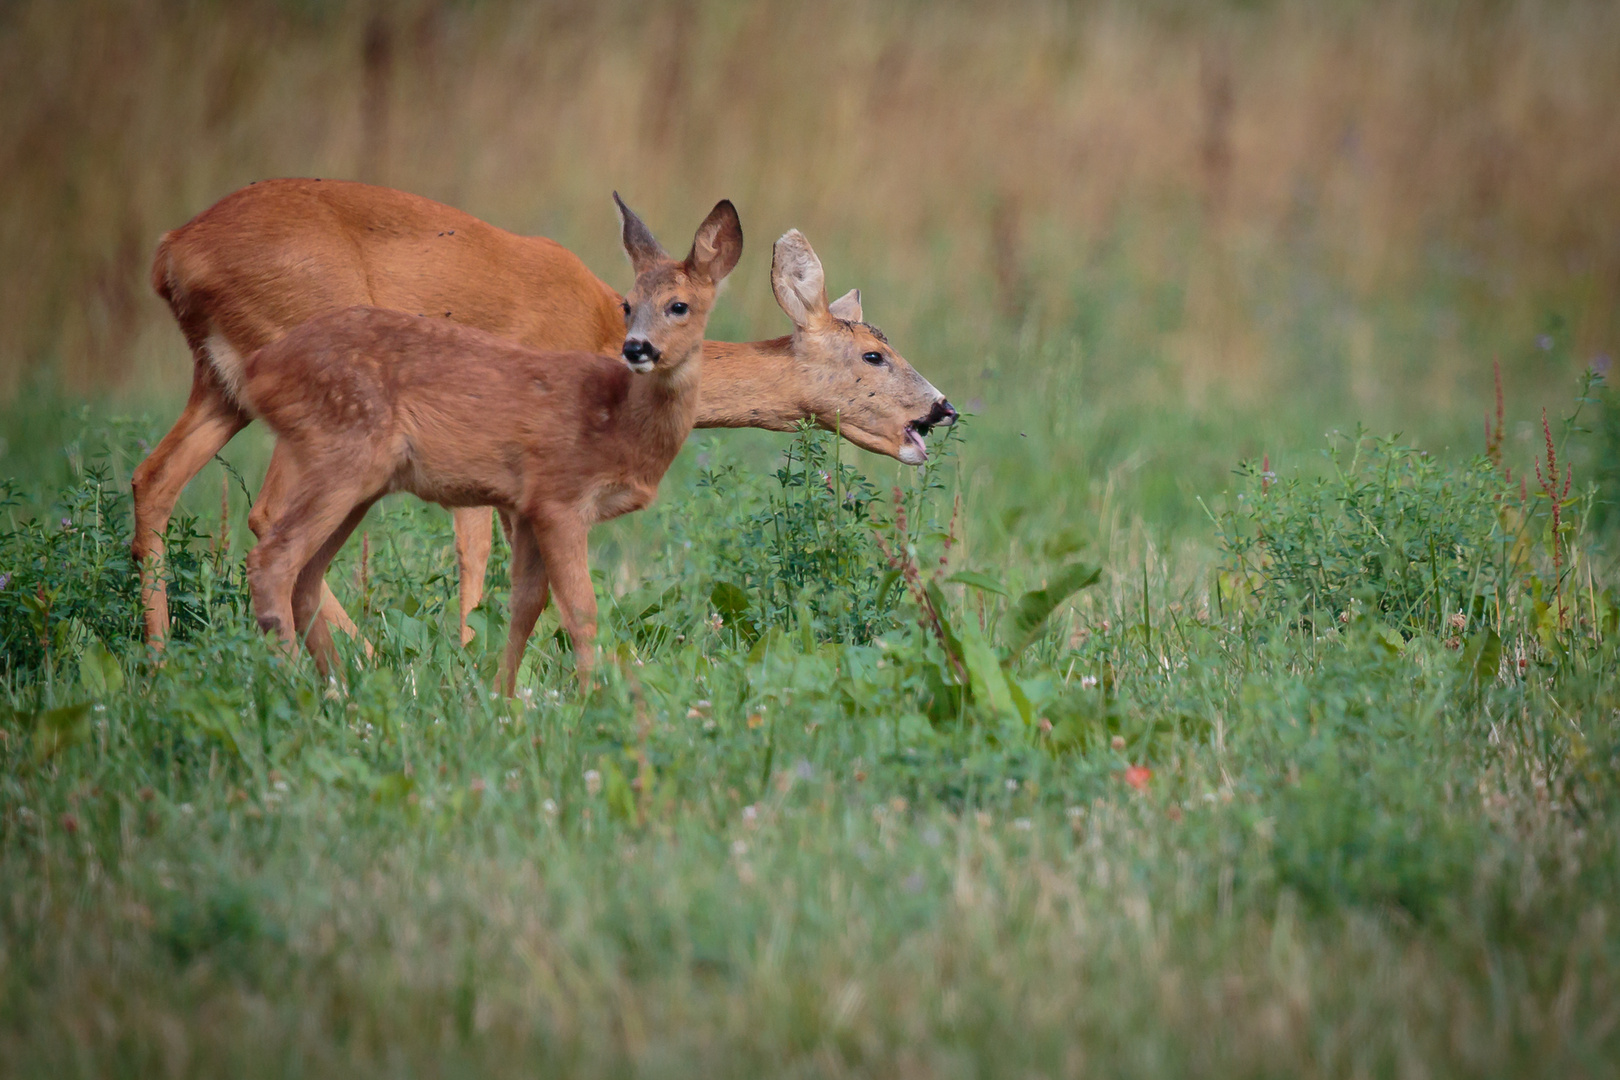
(530, 590)
(474, 525)
(564, 551)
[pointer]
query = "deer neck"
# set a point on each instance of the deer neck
(663, 406)
(759, 384)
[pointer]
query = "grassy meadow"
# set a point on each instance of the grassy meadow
(1235, 692)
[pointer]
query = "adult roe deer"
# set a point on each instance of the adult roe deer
(280, 252)
(364, 403)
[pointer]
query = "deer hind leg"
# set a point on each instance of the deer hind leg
(207, 423)
(530, 591)
(310, 588)
(565, 554)
(295, 535)
(473, 529)
(266, 509)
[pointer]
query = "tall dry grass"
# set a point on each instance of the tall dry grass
(981, 169)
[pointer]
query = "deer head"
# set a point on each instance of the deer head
(887, 406)
(667, 308)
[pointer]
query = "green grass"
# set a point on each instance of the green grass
(1251, 804)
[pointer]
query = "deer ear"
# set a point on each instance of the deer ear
(639, 242)
(847, 307)
(797, 280)
(718, 243)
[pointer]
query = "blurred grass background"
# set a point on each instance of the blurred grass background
(1139, 241)
(1356, 205)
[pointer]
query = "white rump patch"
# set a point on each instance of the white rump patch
(228, 365)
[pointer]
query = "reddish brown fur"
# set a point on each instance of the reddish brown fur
(280, 252)
(368, 401)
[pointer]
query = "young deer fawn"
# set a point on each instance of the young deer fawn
(369, 401)
(278, 253)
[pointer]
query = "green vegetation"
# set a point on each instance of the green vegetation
(1337, 799)
(1167, 724)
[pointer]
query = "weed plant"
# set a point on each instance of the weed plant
(841, 803)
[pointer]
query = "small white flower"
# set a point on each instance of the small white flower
(1012, 785)
(1075, 811)
(593, 781)
(1022, 823)
(739, 848)
(750, 813)
(281, 786)
(549, 808)
(1088, 682)
(185, 808)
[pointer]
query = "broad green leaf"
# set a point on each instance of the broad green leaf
(731, 602)
(1029, 615)
(937, 599)
(978, 581)
(621, 798)
(890, 578)
(1483, 655)
(99, 672)
(58, 729)
(773, 640)
(1390, 638)
(989, 682)
(213, 716)
(1020, 700)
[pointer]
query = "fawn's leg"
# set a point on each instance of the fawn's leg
(207, 423)
(566, 556)
(309, 518)
(310, 587)
(529, 594)
(266, 509)
(473, 529)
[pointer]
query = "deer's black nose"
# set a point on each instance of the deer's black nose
(640, 352)
(943, 414)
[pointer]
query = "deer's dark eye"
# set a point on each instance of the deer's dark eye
(626, 305)
(678, 308)
(873, 358)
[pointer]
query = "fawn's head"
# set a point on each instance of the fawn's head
(884, 405)
(667, 309)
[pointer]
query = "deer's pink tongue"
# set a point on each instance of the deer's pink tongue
(914, 437)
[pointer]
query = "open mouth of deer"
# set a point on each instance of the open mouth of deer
(941, 415)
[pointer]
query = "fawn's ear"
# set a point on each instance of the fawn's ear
(717, 245)
(797, 280)
(847, 307)
(639, 242)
